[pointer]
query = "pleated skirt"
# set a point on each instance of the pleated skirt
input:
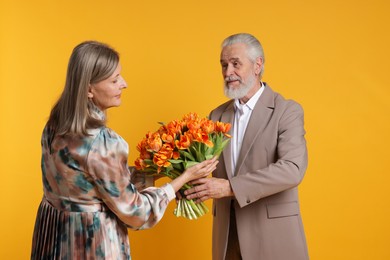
(60, 234)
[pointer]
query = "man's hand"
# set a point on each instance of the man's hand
(209, 188)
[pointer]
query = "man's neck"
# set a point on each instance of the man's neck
(251, 92)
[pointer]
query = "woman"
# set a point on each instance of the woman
(89, 201)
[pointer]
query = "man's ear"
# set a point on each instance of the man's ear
(258, 65)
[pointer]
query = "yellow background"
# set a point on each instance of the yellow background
(331, 56)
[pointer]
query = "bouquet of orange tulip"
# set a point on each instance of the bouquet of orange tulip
(178, 145)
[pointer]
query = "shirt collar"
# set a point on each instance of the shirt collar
(252, 101)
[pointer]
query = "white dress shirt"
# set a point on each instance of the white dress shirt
(242, 114)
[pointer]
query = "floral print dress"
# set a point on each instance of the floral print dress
(89, 201)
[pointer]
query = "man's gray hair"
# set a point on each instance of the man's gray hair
(254, 48)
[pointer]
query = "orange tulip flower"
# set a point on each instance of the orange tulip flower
(140, 164)
(193, 125)
(184, 142)
(174, 127)
(201, 137)
(168, 138)
(207, 125)
(155, 142)
(223, 128)
(141, 147)
(190, 117)
(161, 160)
(176, 155)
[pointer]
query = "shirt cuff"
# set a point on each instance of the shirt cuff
(169, 191)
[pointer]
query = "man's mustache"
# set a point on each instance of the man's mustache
(232, 78)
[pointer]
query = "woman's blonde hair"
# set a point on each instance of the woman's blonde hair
(90, 62)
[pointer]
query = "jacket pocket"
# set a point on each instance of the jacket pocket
(283, 210)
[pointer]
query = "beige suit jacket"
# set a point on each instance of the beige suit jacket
(271, 164)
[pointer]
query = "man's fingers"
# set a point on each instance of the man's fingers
(201, 199)
(198, 181)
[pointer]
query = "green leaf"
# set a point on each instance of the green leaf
(200, 157)
(225, 142)
(149, 170)
(175, 161)
(209, 156)
(187, 155)
(218, 151)
(148, 161)
(193, 150)
(189, 164)
(208, 151)
(178, 166)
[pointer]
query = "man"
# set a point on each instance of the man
(256, 213)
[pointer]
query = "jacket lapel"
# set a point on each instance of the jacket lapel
(261, 114)
(228, 117)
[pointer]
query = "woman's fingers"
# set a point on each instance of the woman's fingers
(203, 169)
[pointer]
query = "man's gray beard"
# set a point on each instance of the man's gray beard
(241, 91)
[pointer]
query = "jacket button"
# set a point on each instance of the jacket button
(248, 201)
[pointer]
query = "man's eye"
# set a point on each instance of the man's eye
(115, 81)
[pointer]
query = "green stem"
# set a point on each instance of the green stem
(200, 208)
(205, 208)
(177, 211)
(194, 208)
(192, 212)
(183, 210)
(187, 210)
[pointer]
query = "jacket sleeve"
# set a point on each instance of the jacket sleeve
(107, 165)
(286, 170)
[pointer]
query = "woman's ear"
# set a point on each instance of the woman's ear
(90, 94)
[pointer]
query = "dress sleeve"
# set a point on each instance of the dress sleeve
(107, 165)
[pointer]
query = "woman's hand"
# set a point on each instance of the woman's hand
(200, 170)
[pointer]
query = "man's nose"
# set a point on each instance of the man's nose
(229, 70)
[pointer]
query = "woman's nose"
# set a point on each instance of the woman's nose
(122, 82)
